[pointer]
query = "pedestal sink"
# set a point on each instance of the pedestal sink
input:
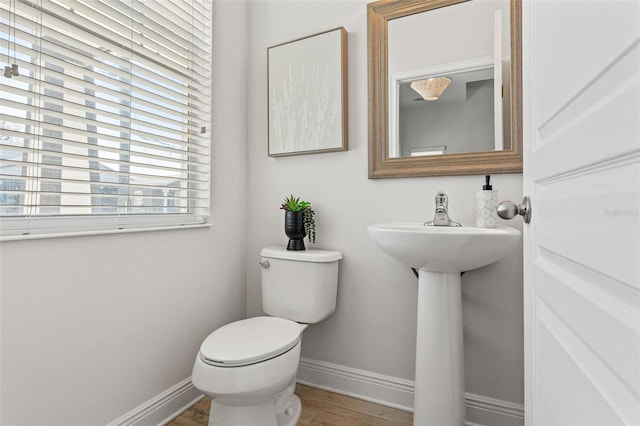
(441, 253)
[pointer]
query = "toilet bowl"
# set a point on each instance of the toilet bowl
(250, 363)
(248, 367)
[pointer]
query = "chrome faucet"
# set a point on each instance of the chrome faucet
(441, 217)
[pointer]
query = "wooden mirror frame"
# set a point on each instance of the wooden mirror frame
(472, 163)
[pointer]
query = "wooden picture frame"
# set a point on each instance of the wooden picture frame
(307, 94)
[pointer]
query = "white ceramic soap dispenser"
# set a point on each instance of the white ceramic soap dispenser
(486, 204)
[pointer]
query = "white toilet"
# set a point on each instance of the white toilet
(249, 367)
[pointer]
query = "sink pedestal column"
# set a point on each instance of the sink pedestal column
(439, 384)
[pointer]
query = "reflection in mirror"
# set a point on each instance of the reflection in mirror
(464, 117)
(474, 125)
(468, 116)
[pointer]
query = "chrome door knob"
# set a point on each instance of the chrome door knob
(509, 210)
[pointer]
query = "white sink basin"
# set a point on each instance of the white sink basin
(444, 248)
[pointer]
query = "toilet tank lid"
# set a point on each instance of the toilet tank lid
(308, 255)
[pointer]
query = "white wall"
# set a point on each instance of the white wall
(93, 327)
(373, 328)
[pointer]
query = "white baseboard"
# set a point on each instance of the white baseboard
(162, 408)
(380, 389)
(398, 393)
(482, 410)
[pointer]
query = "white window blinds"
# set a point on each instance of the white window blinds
(106, 125)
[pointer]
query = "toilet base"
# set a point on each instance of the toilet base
(256, 414)
(291, 414)
(263, 414)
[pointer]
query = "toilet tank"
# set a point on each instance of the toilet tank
(299, 285)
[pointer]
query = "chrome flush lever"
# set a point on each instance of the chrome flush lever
(509, 210)
(265, 264)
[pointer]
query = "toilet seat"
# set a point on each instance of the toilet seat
(249, 341)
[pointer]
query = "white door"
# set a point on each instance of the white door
(581, 83)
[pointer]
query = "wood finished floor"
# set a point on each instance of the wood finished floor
(319, 408)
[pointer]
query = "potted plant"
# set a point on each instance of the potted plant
(298, 222)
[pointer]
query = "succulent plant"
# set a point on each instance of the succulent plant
(294, 204)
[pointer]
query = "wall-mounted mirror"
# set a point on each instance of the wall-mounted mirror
(469, 52)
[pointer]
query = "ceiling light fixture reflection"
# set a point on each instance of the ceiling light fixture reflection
(431, 88)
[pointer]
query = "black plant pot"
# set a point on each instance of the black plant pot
(294, 228)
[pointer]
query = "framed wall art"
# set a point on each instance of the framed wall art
(307, 94)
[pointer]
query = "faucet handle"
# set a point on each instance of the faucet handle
(442, 198)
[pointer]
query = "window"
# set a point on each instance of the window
(106, 125)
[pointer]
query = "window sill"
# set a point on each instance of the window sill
(100, 232)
